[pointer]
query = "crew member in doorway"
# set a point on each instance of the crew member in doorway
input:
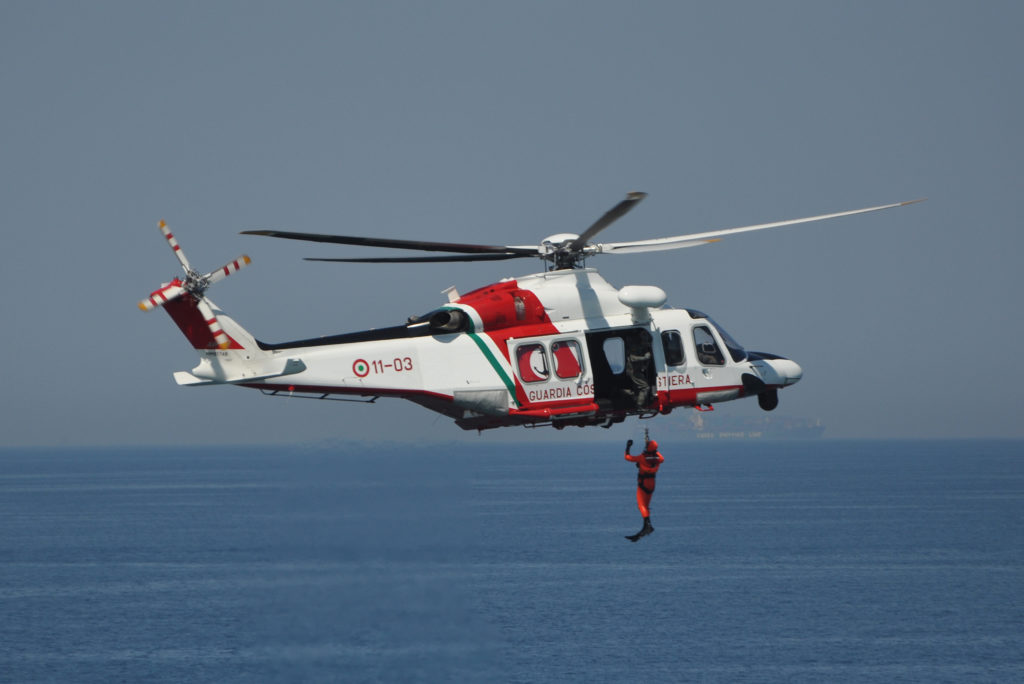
(647, 464)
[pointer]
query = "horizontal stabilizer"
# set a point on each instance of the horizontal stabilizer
(185, 378)
(205, 373)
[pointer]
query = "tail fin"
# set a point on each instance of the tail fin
(187, 315)
(191, 290)
(228, 352)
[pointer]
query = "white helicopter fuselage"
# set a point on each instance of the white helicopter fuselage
(557, 348)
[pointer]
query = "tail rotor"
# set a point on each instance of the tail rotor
(195, 285)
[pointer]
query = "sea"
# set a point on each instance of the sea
(805, 561)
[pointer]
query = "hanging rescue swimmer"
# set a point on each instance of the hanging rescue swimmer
(647, 464)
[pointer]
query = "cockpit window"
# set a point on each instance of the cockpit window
(736, 350)
(707, 349)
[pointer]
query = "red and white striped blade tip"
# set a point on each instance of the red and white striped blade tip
(174, 244)
(219, 336)
(161, 297)
(229, 268)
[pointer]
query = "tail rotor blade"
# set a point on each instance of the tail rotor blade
(175, 246)
(219, 337)
(227, 269)
(162, 296)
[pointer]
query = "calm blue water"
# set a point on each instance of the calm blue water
(805, 562)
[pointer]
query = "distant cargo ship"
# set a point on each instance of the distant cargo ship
(703, 426)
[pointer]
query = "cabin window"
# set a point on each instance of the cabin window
(707, 349)
(532, 362)
(615, 353)
(567, 357)
(672, 342)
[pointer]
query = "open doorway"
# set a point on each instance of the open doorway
(623, 368)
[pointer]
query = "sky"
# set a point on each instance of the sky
(502, 123)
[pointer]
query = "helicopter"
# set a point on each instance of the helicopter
(561, 347)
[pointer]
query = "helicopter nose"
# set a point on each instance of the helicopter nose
(776, 370)
(789, 371)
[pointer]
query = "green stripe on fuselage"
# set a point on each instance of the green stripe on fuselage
(489, 355)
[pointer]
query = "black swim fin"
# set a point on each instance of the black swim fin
(647, 529)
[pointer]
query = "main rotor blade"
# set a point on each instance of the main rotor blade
(428, 259)
(693, 239)
(422, 245)
(610, 217)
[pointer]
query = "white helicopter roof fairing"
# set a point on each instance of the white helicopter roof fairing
(562, 251)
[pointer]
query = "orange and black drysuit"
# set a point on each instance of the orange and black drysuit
(647, 464)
